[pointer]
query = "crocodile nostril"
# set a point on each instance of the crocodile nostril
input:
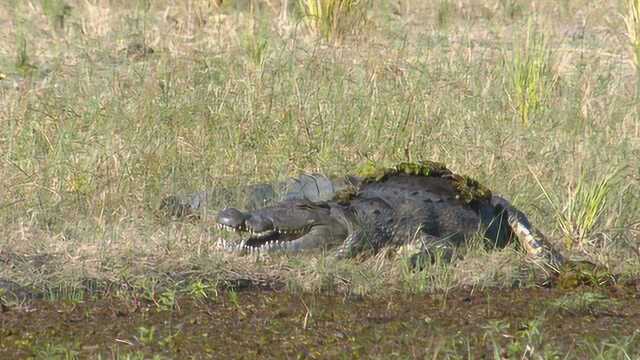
(231, 217)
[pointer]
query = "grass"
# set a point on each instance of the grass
(334, 19)
(98, 138)
(632, 30)
(583, 210)
(585, 302)
(95, 138)
(530, 82)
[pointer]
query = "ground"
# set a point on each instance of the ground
(542, 323)
(109, 106)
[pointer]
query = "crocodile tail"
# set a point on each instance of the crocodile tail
(537, 246)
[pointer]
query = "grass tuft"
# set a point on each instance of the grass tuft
(584, 302)
(632, 29)
(583, 211)
(333, 19)
(56, 11)
(530, 81)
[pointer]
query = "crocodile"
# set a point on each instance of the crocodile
(423, 206)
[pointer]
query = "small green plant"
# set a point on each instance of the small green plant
(632, 28)
(332, 19)
(124, 355)
(493, 331)
(625, 347)
(256, 47)
(511, 8)
(23, 64)
(167, 300)
(233, 298)
(527, 343)
(584, 302)
(200, 290)
(583, 210)
(56, 351)
(577, 273)
(529, 76)
(56, 11)
(65, 292)
(445, 10)
(146, 335)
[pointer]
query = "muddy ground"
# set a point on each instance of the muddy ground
(262, 323)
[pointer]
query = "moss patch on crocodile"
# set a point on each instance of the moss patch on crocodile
(375, 172)
(468, 188)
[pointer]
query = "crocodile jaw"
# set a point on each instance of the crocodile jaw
(289, 241)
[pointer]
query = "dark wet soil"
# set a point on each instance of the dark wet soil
(278, 324)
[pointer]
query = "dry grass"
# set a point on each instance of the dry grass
(97, 129)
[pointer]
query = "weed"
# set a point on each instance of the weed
(256, 46)
(583, 210)
(56, 351)
(577, 273)
(511, 8)
(167, 301)
(125, 355)
(530, 81)
(200, 291)
(233, 298)
(56, 11)
(22, 62)
(146, 335)
(445, 10)
(632, 27)
(625, 347)
(493, 331)
(333, 19)
(65, 292)
(584, 302)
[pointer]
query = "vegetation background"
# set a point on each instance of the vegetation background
(108, 106)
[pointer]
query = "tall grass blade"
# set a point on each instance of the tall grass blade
(530, 81)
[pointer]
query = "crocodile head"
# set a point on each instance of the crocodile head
(291, 226)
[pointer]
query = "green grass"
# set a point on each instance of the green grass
(632, 30)
(334, 19)
(530, 83)
(95, 138)
(583, 210)
(584, 302)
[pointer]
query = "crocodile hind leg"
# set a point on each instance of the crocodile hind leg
(533, 241)
(428, 249)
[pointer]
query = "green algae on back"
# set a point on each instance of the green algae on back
(468, 188)
(375, 172)
(423, 168)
